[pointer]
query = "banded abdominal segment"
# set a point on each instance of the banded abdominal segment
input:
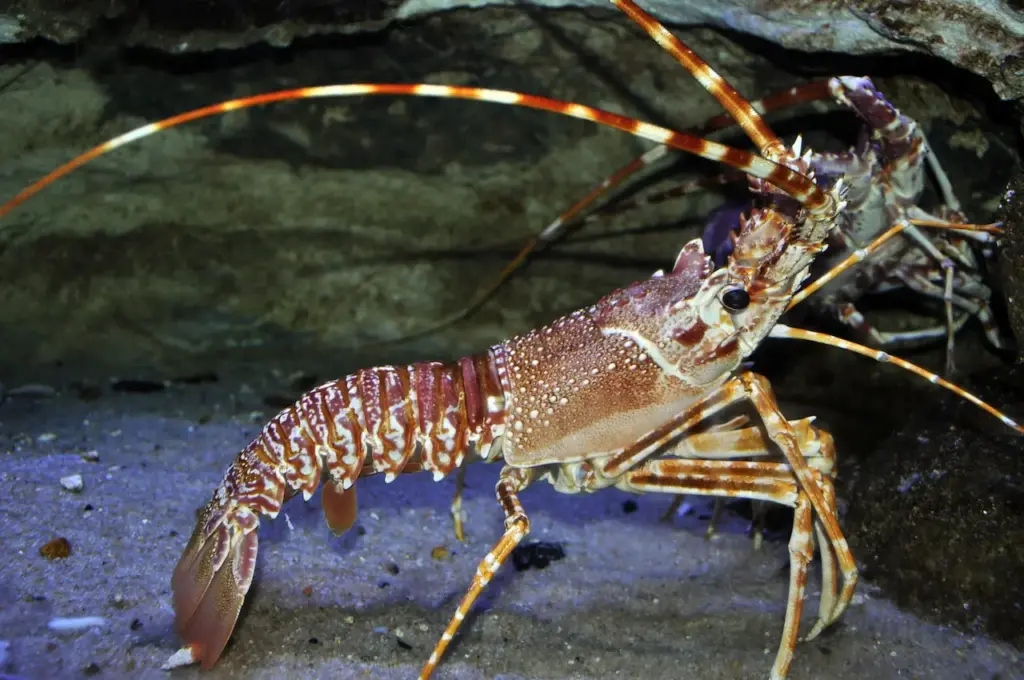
(425, 416)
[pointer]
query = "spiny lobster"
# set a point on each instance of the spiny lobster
(626, 393)
(885, 175)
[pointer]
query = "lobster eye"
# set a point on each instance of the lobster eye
(736, 300)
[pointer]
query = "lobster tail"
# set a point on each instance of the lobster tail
(213, 575)
(390, 419)
(209, 585)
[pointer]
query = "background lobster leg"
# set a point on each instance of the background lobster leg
(971, 296)
(848, 315)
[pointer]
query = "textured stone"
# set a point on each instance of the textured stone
(1011, 252)
(981, 36)
(936, 512)
(191, 25)
(352, 221)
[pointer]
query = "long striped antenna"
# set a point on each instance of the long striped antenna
(793, 183)
(567, 220)
(783, 331)
(738, 108)
(798, 186)
(804, 93)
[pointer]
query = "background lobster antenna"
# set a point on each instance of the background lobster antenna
(861, 254)
(793, 183)
(783, 331)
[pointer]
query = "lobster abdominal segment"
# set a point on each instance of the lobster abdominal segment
(431, 414)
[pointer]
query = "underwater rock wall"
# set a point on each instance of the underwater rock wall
(981, 36)
(352, 221)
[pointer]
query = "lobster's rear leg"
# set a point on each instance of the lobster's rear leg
(971, 296)
(510, 482)
(763, 482)
(709, 448)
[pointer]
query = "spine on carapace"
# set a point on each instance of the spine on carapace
(427, 416)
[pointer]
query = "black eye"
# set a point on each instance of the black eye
(736, 299)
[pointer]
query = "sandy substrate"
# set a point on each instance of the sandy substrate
(632, 598)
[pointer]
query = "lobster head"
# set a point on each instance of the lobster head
(721, 315)
(698, 323)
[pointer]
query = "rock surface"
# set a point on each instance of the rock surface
(346, 222)
(191, 25)
(936, 515)
(985, 37)
(981, 36)
(1011, 252)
